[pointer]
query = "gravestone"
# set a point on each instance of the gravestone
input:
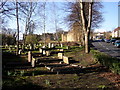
(49, 45)
(30, 47)
(61, 50)
(60, 55)
(40, 50)
(66, 59)
(52, 45)
(47, 53)
(33, 62)
(29, 56)
(20, 51)
(67, 47)
(43, 46)
(44, 52)
(61, 45)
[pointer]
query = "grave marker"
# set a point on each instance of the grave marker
(66, 59)
(29, 56)
(33, 62)
(60, 55)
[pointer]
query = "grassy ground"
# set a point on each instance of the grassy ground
(92, 76)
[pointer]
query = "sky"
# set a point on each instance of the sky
(110, 15)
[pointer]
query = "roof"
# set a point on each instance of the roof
(117, 29)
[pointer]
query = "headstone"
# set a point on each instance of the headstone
(40, 50)
(10, 48)
(6, 46)
(30, 47)
(62, 50)
(61, 45)
(67, 47)
(60, 55)
(47, 53)
(44, 52)
(40, 44)
(49, 45)
(33, 62)
(29, 56)
(43, 46)
(52, 45)
(20, 51)
(66, 59)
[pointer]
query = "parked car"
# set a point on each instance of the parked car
(117, 43)
(113, 41)
(107, 40)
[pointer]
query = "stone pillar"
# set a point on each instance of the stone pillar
(60, 55)
(29, 56)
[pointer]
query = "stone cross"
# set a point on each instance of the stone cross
(29, 56)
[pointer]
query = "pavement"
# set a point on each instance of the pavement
(107, 48)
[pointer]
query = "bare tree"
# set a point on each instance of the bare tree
(86, 22)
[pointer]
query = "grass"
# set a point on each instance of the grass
(40, 77)
(112, 63)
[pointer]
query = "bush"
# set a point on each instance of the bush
(112, 63)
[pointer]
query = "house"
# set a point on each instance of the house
(116, 32)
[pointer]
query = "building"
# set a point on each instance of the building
(116, 33)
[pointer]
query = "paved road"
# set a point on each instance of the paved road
(107, 48)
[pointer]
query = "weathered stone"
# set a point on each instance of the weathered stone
(47, 53)
(43, 46)
(40, 50)
(33, 62)
(20, 51)
(49, 45)
(61, 45)
(66, 59)
(29, 56)
(52, 45)
(60, 55)
(67, 47)
(44, 52)
(62, 50)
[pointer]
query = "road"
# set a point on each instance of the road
(107, 48)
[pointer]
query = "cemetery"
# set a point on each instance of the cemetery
(59, 45)
(52, 65)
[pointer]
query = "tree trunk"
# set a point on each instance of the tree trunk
(87, 47)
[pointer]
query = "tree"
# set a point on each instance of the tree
(31, 39)
(85, 20)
